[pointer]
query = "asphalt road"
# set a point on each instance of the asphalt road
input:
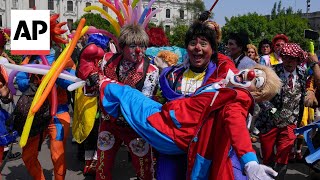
(123, 170)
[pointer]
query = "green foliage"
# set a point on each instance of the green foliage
(259, 27)
(178, 35)
(196, 7)
(95, 20)
(151, 25)
(253, 24)
(15, 58)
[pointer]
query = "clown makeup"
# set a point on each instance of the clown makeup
(250, 79)
(134, 52)
(200, 52)
(278, 45)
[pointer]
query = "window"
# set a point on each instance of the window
(14, 4)
(181, 14)
(153, 10)
(32, 4)
(0, 20)
(105, 8)
(167, 29)
(167, 13)
(88, 4)
(70, 23)
(69, 6)
(50, 5)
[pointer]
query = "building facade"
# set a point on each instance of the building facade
(314, 20)
(71, 10)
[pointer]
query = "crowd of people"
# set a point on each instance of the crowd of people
(194, 120)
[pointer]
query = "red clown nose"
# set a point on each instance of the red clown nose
(138, 50)
(251, 75)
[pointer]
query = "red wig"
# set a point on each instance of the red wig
(280, 36)
(157, 37)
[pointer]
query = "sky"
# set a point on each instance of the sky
(229, 8)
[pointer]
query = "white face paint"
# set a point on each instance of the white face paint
(247, 78)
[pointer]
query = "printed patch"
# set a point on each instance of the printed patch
(106, 140)
(139, 147)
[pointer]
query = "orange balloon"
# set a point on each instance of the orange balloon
(26, 60)
(127, 8)
(126, 2)
(113, 8)
(61, 67)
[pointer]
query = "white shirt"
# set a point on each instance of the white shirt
(294, 73)
(245, 62)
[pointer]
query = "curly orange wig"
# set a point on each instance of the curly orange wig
(170, 57)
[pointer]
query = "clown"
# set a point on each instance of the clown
(219, 108)
(131, 67)
(284, 112)
(57, 126)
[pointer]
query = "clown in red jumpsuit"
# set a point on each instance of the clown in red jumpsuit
(137, 73)
(215, 123)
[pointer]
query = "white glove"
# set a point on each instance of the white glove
(256, 171)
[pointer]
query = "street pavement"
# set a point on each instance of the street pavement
(123, 170)
(15, 170)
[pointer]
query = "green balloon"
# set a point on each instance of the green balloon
(134, 3)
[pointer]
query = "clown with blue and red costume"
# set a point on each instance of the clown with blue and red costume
(205, 125)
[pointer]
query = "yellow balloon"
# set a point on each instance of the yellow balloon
(42, 86)
(112, 21)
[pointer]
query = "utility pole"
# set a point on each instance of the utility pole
(308, 7)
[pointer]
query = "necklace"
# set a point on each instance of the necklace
(192, 81)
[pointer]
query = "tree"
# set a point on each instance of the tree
(178, 35)
(292, 25)
(196, 7)
(258, 27)
(95, 20)
(273, 11)
(15, 58)
(253, 24)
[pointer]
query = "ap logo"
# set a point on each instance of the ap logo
(30, 32)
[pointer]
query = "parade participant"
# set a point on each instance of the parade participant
(237, 48)
(203, 62)
(57, 126)
(8, 107)
(217, 108)
(282, 114)
(7, 134)
(274, 58)
(131, 67)
(90, 143)
(265, 47)
(253, 53)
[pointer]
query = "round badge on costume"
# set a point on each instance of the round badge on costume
(139, 147)
(106, 140)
